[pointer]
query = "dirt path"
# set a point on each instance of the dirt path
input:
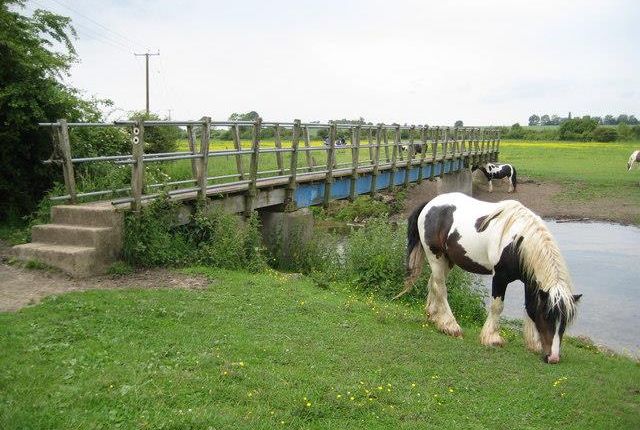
(544, 198)
(20, 287)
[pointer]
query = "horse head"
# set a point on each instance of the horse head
(551, 314)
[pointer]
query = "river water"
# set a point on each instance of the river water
(604, 261)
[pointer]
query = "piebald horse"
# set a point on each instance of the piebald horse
(634, 159)
(498, 171)
(503, 239)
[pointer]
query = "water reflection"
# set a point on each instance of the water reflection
(604, 261)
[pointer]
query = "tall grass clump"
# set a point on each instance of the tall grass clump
(374, 261)
(211, 237)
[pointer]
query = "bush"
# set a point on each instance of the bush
(624, 132)
(212, 238)
(577, 129)
(158, 138)
(604, 134)
(360, 208)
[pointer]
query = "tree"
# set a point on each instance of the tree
(633, 120)
(458, 123)
(516, 131)
(623, 119)
(624, 131)
(544, 120)
(534, 120)
(604, 134)
(35, 53)
(158, 139)
(609, 120)
(248, 116)
(555, 120)
(577, 129)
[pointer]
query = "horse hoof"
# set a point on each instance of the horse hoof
(492, 340)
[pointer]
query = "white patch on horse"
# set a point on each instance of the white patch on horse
(490, 334)
(531, 335)
(634, 159)
(554, 357)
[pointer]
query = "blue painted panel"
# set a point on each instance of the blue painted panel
(308, 194)
(340, 188)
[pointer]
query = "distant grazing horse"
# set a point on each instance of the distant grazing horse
(499, 171)
(634, 159)
(503, 239)
(417, 148)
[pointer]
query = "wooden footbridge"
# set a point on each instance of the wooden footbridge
(374, 157)
(292, 171)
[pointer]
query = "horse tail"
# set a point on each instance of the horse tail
(514, 180)
(415, 252)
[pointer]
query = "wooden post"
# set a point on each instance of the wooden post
(482, 140)
(370, 145)
(252, 192)
(497, 151)
(394, 155)
(137, 169)
(355, 160)
(278, 144)
(331, 154)
(434, 151)
(191, 138)
(237, 144)
(290, 202)
(445, 147)
(423, 153)
(410, 152)
(386, 145)
(64, 146)
(376, 161)
(203, 170)
(307, 144)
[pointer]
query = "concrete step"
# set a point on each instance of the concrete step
(75, 235)
(98, 215)
(78, 261)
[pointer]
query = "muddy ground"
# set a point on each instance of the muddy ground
(544, 198)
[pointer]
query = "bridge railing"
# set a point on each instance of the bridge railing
(292, 156)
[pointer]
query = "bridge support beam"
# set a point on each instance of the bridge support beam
(284, 232)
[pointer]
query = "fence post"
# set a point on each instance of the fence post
(278, 144)
(370, 139)
(410, 152)
(191, 137)
(423, 152)
(252, 192)
(290, 203)
(64, 146)
(394, 155)
(497, 151)
(328, 181)
(434, 151)
(482, 141)
(137, 169)
(376, 161)
(445, 147)
(307, 145)
(386, 145)
(203, 172)
(355, 160)
(237, 144)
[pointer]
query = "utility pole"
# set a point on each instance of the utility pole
(147, 55)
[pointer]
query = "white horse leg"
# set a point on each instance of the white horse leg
(490, 186)
(510, 179)
(490, 334)
(437, 304)
(531, 336)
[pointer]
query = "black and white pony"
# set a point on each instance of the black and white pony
(417, 148)
(499, 171)
(503, 239)
(634, 159)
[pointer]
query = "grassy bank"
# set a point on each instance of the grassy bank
(273, 350)
(589, 170)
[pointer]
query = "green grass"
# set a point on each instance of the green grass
(589, 170)
(273, 351)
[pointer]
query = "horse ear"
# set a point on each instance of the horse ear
(576, 297)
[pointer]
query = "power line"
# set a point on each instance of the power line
(135, 43)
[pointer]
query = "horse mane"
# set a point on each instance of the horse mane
(540, 257)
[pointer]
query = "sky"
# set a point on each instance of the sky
(422, 62)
